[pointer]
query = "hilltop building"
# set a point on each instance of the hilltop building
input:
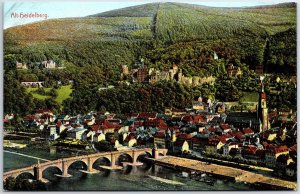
(152, 75)
(21, 65)
(233, 71)
(50, 64)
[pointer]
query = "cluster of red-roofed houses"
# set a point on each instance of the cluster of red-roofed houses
(180, 131)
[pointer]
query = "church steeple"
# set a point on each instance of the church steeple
(262, 110)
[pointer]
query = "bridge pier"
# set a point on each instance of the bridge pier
(38, 173)
(155, 153)
(113, 161)
(64, 170)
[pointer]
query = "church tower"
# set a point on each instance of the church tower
(262, 110)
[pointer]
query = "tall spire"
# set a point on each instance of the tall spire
(262, 82)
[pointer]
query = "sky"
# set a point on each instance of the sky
(15, 12)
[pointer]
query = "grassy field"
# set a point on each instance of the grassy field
(249, 97)
(38, 96)
(63, 93)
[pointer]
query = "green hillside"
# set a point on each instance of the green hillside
(145, 10)
(62, 93)
(130, 32)
(93, 48)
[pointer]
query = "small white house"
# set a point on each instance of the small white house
(76, 133)
(99, 137)
(52, 132)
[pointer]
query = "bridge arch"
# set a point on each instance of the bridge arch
(77, 162)
(50, 171)
(141, 155)
(101, 161)
(25, 175)
(123, 157)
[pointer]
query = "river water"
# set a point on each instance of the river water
(144, 178)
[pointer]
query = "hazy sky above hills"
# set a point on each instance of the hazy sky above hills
(79, 9)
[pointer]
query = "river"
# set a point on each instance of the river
(144, 178)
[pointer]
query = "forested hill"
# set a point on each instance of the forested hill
(114, 38)
(92, 50)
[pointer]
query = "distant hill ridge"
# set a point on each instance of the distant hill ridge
(150, 9)
(132, 31)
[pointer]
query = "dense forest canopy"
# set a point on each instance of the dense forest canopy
(93, 49)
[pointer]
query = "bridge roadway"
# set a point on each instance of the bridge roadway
(88, 160)
(235, 174)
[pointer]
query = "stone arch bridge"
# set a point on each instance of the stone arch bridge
(63, 164)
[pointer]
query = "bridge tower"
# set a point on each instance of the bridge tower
(38, 173)
(113, 160)
(155, 152)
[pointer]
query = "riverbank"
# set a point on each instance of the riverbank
(230, 173)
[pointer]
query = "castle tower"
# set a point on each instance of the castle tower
(179, 75)
(262, 110)
(125, 70)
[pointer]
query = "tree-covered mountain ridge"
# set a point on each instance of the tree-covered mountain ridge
(121, 36)
(93, 49)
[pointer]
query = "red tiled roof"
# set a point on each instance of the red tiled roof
(160, 135)
(198, 119)
(159, 123)
(248, 131)
(105, 124)
(138, 123)
(294, 148)
(187, 118)
(75, 125)
(237, 134)
(29, 118)
(185, 136)
(225, 126)
(250, 150)
(46, 115)
(224, 138)
(276, 148)
(95, 127)
(211, 129)
(213, 141)
(147, 115)
(44, 110)
(133, 114)
(173, 128)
